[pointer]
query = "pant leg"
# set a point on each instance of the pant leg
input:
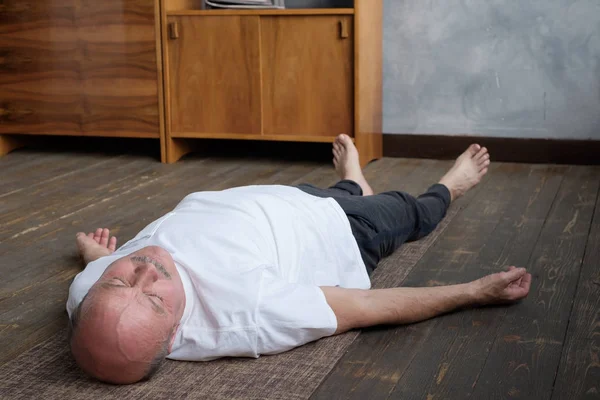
(383, 222)
(344, 187)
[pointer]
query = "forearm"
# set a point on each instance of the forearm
(356, 308)
(407, 305)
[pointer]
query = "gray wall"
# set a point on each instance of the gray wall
(509, 68)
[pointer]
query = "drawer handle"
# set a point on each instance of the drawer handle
(173, 30)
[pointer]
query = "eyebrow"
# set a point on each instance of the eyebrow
(155, 307)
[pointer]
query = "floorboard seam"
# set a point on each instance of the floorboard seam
(537, 239)
(585, 249)
(461, 209)
(60, 176)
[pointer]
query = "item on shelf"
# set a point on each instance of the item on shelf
(248, 4)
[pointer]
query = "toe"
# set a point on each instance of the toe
(98, 235)
(484, 164)
(483, 172)
(346, 141)
(473, 149)
(483, 151)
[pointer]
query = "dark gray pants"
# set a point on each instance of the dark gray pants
(383, 222)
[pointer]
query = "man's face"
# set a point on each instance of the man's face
(148, 277)
(128, 315)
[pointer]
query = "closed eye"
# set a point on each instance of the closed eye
(119, 282)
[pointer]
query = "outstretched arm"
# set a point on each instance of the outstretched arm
(357, 308)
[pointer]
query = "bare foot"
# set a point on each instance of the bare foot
(95, 244)
(467, 171)
(347, 165)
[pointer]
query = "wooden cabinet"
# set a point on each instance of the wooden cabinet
(79, 67)
(293, 75)
(307, 74)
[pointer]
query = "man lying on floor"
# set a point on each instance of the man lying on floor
(263, 269)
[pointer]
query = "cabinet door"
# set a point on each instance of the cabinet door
(214, 75)
(307, 75)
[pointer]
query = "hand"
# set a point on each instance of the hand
(502, 287)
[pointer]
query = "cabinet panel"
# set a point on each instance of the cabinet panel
(78, 67)
(39, 82)
(214, 74)
(307, 64)
(119, 77)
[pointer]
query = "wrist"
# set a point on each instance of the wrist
(473, 293)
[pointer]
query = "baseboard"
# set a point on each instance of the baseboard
(547, 151)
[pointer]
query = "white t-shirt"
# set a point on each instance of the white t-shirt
(252, 260)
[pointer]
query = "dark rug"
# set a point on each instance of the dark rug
(48, 372)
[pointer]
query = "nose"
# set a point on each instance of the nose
(145, 275)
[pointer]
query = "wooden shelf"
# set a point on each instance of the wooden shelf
(290, 11)
(242, 136)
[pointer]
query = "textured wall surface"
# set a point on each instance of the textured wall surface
(507, 68)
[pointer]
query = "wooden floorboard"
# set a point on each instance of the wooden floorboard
(380, 357)
(524, 357)
(539, 216)
(508, 228)
(579, 370)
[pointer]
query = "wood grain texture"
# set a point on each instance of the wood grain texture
(528, 345)
(243, 136)
(307, 71)
(80, 67)
(119, 84)
(368, 79)
(182, 5)
(579, 370)
(39, 68)
(214, 75)
(456, 348)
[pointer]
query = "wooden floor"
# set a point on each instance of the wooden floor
(543, 217)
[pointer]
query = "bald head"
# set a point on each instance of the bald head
(128, 320)
(117, 341)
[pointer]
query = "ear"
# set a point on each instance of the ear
(173, 334)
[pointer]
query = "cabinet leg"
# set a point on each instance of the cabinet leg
(9, 143)
(177, 148)
(370, 147)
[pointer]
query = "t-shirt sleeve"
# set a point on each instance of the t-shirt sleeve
(290, 315)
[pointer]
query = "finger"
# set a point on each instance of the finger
(514, 274)
(98, 235)
(511, 267)
(104, 238)
(91, 235)
(526, 281)
(112, 244)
